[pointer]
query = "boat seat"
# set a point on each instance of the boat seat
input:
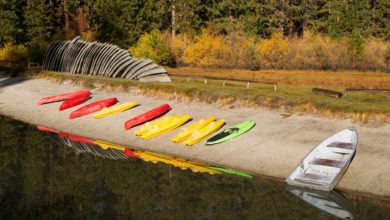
(327, 162)
(343, 145)
(313, 179)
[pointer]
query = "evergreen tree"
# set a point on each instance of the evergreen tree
(319, 16)
(192, 15)
(295, 15)
(122, 22)
(261, 18)
(345, 17)
(11, 23)
(380, 18)
(37, 21)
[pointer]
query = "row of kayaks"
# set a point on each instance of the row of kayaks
(146, 155)
(190, 135)
(321, 169)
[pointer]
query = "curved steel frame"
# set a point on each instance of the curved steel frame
(79, 57)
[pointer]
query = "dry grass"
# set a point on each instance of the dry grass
(343, 79)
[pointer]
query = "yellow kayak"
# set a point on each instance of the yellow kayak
(204, 132)
(186, 132)
(106, 145)
(195, 167)
(166, 127)
(114, 109)
(177, 162)
(153, 157)
(148, 125)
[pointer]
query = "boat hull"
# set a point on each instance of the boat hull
(93, 107)
(149, 125)
(203, 133)
(326, 163)
(76, 100)
(115, 109)
(162, 129)
(187, 132)
(62, 97)
(147, 116)
(231, 132)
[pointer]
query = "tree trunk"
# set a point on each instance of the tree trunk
(51, 4)
(173, 20)
(81, 20)
(66, 14)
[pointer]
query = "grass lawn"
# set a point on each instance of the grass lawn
(293, 90)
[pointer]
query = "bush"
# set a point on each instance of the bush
(273, 52)
(243, 52)
(13, 52)
(36, 54)
(311, 51)
(89, 36)
(153, 46)
(208, 50)
(376, 55)
(63, 34)
(177, 46)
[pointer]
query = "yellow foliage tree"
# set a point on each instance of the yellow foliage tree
(177, 46)
(272, 52)
(13, 52)
(207, 50)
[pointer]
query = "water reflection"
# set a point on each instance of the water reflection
(42, 179)
(331, 202)
(114, 151)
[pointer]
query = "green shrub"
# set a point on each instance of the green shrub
(36, 54)
(153, 46)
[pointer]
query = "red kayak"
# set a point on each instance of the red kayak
(147, 116)
(47, 129)
(93, 107)
(62, 97)
(64, 135)
(81, 139)
(130, 153)
(76, 100)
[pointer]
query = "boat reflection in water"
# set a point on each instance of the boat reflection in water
(331, 202)
(112, 151)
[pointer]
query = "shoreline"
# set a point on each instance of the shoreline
(273, 148)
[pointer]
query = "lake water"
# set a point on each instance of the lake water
(42, 177)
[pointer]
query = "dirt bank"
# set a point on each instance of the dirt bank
(273, 148)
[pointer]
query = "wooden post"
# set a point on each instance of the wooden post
(247, 85)
(188, 78)
(275, 87)
(223, 84)
(205, 80)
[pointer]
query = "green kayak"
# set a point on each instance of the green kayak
(231, 132)
(230, 171)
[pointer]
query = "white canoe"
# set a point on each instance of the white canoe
(324, 166)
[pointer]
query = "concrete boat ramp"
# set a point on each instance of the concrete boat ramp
(272, 148)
